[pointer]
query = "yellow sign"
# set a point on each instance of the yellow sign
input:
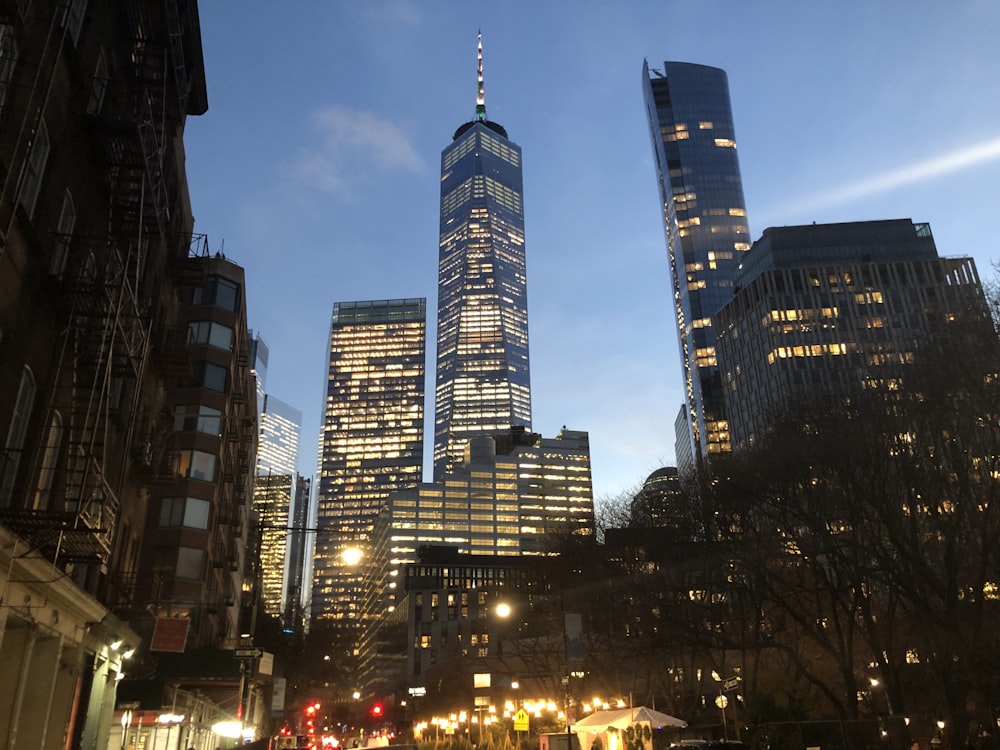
(521, 721)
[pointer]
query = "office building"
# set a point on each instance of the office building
(371, 441)
(515, 495)
(299, 547)
(705, 220)
(451, 626)
(554, 489)
(656, 502)
(483, 383)
(272, 503)
(274, 490)
(260, 353)
(280, 431)
(823, 310)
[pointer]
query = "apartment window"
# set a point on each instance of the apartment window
(190, 563)
(184, 511)
(213, 334)
(8, 61)
(197, 418)
(50, 462)
(99, 86)
(196, 465)
(219, 292)
(16, 433)
(34, 168)
(211, 376)
(64, 234)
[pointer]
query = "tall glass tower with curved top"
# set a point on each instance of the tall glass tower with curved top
(483, 384)
(705, 219)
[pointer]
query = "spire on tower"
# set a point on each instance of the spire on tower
(480, 95)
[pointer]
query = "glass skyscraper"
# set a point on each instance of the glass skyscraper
(280, 428)
(705, 218)
(483, 383)
(371, 440)
(274, 490)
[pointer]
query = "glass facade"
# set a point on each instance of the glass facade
(298, 542)
(483, 383)
(705, 218)
(277, 459)
(280, 429)
(272, 499)
(371, 441)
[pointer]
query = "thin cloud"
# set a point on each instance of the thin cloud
(920, 172)
(401, 11)
(379, 139)
(351, 143)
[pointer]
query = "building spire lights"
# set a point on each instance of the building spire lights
(480, 95)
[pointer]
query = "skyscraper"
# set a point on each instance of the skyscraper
(260, 352)
(483, 383)
(280, 429)
(295, 564)
(705, 219)
(277, 458)
(371, 440)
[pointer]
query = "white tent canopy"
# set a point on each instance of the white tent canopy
(620, 718)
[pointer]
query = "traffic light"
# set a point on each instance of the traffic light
(376, 710)
(310, 712)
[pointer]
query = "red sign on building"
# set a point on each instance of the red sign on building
(170, 634)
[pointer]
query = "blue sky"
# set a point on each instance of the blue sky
(317, 165)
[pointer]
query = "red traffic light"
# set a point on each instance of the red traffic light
(376, 710)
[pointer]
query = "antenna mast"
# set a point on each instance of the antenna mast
(480, 95)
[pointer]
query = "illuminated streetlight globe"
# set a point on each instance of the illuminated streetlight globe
(503, 610)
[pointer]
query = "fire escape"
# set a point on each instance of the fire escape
(110, 294)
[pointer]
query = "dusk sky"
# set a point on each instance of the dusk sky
(317, 167)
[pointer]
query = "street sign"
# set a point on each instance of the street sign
(731, 683)
(521, 721)
(248, 653)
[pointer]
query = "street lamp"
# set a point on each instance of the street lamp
(504, 610)
(729, 684)
(722, 701)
